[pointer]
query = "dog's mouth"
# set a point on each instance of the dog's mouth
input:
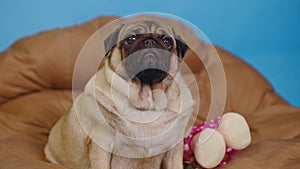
(150, 76)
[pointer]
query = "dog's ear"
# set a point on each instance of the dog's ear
(111, 41)
(181, 47)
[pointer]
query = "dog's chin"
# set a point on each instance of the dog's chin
(149, 97)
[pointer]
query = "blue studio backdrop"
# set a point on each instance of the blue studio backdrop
(265, 33)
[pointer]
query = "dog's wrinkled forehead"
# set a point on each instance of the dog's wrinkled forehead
(145, 27)
(129, 29)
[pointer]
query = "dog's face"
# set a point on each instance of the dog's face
(145, 53)
(153, 63)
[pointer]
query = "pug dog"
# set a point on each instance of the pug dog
(134, 112)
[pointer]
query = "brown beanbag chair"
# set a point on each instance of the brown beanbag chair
(36, 89)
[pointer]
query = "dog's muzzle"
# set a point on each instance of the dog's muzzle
(149, 66)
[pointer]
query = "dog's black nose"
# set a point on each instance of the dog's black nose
(149, 42)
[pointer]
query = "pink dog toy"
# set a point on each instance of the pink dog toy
(214, 143)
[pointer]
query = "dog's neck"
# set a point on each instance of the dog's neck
(111, 93)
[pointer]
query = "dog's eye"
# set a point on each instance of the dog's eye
(130, 39)
(168, 42)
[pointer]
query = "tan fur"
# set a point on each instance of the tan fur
(73, 140)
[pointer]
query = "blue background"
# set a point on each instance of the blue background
(265, 33)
